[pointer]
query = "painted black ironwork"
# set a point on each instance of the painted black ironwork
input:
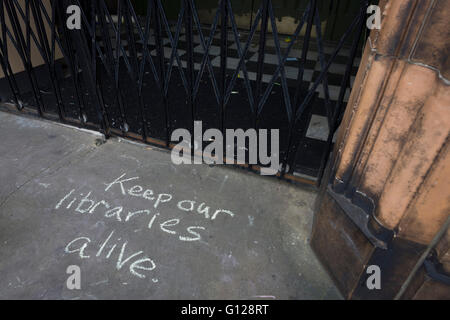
(119, 55)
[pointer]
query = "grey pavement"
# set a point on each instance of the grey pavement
(160, 232)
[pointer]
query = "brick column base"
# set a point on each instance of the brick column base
(385, 200)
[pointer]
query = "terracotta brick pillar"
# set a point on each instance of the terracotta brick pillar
(385, 200)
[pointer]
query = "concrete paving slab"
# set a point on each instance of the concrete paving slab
(140, 227)
(28, 148)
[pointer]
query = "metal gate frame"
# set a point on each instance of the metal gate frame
(81, 51)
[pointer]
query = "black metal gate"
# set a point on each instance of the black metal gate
(141, 77)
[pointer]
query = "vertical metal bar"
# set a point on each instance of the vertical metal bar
(93, 39)
(281, 64)
(299, 90)
(328, 107)
(131, 37)
(82, 44)
(109, 63)
(261, 57)
(157, 11)
(305, 49)
(251, 15)
(189, 52)
(28, 27)
(119, 99)
(141, 68)
(223, 61)
(72, 61)
(106, 38)
(96, 71)
(190, 67)
(53, 27)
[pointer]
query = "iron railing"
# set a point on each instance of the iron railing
(141, 77)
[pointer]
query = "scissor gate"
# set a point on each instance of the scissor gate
(142, 76)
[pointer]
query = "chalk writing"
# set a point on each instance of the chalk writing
(137, 261)
(89, 203)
